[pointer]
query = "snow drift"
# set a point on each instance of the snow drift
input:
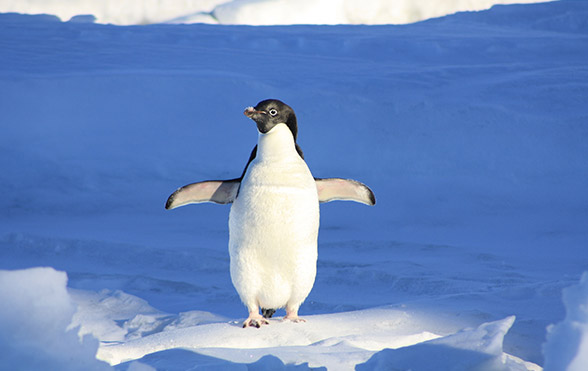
(252, 12)
(282, 12)
(567, 342)
(35, 316)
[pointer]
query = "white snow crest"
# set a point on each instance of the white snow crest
(251, 12)
(470, 349)
(35, 313)
(112, 11)
(567, 342)
(285, 12)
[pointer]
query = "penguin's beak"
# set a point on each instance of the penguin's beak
(250, 111)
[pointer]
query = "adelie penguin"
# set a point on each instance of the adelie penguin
(274, 217)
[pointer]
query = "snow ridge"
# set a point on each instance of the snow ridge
(251, 12)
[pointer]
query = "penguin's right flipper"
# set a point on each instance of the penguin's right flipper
(331, 189)
(217, 191)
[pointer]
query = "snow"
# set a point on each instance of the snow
(35, 316)
(252, 12)
(472, 349)
(117, 12)
(567, 342)
(282, 12)
(470, 129)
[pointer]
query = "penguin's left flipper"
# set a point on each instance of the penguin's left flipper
(217, 191)
(331, 189)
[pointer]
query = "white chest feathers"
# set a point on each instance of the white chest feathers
(273, 226)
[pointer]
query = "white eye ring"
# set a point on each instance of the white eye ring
(273, 112)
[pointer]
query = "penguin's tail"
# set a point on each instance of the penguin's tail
(267, 313)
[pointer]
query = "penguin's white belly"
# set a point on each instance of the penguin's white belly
(273, 231)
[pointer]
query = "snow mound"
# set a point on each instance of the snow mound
(336, 341)
(333, 340)
(285, 12)
(471, 349)
(115, 316)
(113, 11)
(35, 314)
(37, 323)
(251, 12)
(567, 342)
(99, 314)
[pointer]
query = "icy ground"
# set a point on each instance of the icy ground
(471, 129)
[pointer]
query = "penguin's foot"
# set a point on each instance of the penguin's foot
(293, 316)
(294, 319)
(255, 320)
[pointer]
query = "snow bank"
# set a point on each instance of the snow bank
(115, 316)
(99, 314)
(567, 342)
(114, 11)
(283, 12)
(339, 341)
(36, 311)
(35, 314)
(472, 349)
(252, 12)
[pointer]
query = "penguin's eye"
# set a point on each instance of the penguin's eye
(273, 111)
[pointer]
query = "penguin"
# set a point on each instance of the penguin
(274, 216)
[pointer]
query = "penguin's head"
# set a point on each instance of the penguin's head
(270, 112)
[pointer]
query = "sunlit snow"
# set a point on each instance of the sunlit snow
(470, 129)
(253, 12)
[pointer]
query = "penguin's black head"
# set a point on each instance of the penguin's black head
(270, 112)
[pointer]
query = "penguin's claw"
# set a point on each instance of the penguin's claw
(256, 322)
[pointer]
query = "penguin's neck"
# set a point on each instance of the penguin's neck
(276, 143)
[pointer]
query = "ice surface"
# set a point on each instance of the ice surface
(470, 129)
